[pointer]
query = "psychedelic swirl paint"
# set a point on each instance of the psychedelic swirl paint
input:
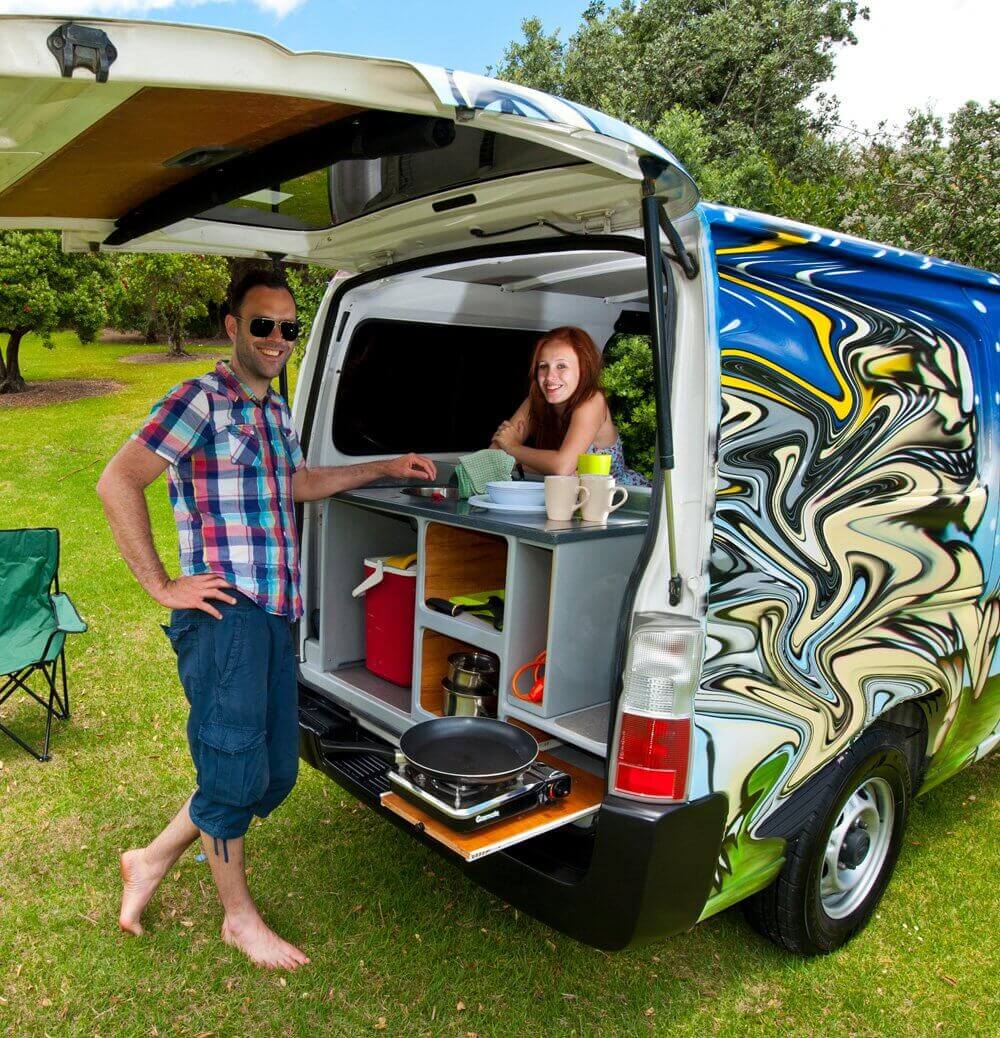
(853, 562)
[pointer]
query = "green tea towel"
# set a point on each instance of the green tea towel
(474, 471)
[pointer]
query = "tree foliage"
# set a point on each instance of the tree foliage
(745, 67)
(937, 189)
(42, 289)
(627, 379)
(308, 285)
(165, 291)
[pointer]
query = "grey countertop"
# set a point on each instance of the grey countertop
(536, 528)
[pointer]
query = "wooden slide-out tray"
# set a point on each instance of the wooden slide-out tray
(585, 796)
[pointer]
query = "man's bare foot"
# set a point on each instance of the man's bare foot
(139, 883)
(261, 945)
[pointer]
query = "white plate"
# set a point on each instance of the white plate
(482, 501)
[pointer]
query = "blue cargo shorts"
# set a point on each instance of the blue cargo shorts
(238, 675)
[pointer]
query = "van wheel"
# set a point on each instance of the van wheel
(838, 864)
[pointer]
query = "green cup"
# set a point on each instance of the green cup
(593, 465)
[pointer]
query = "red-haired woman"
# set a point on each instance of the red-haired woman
(566, 413)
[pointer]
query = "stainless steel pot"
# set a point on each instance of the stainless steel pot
(473, 672)
(468, 704)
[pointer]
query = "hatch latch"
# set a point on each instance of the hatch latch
(597, 221)
(80, 46)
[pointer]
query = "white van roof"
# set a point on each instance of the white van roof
(152, 136)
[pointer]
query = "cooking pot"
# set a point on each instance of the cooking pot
(468, 704)
(473, 672)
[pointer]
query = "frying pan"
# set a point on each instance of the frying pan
(457, 749)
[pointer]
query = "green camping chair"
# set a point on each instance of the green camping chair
(34, 621)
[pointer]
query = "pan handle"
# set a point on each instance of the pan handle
(334, 749)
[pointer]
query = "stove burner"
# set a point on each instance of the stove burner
(471, 805)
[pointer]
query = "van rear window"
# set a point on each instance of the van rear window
(407, 386)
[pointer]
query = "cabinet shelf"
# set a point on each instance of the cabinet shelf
(479, 633)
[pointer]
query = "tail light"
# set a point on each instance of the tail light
(652, 743)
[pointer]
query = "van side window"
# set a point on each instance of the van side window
(428, 387)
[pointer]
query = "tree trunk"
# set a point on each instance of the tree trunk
(176, 338)
(11, 380)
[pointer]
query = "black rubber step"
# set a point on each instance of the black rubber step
(363, 769)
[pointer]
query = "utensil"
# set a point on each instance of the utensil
(456, 749)
(593, 464)
(516, 492)
(486, 607)
(563, 496)
(433, 493)
(482, 501)
(602, 498)
(465, 704)
(473, 672)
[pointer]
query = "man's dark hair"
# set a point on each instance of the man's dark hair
(259, 277)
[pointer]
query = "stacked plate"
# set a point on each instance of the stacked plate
(526, 496)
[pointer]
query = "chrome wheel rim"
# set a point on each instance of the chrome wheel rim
(857, 848)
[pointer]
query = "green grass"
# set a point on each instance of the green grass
(394, 932)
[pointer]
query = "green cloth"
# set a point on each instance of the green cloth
(33, 623)
(474, 471)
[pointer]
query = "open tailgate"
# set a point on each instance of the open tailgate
(149, 136)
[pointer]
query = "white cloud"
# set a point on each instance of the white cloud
(57, 8)
(914, 53)
(279, 8)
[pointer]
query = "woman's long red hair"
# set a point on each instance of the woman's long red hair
(548, 429)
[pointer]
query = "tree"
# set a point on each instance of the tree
(164, 292)
(42, 289)
(936, 190)
(627, 380)
(308, 285)
(745, 67)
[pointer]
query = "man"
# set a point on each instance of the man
(234, 470)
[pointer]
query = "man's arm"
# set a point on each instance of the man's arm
(315, 484)
(121, 489)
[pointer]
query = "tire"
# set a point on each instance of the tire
(838, 863)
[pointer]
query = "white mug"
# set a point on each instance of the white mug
(563, 496)
(603, 493)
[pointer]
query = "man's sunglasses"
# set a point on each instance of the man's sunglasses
(261, 327)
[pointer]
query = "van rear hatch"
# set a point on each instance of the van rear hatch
(146, 137)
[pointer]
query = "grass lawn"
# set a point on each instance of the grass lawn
(401, 943)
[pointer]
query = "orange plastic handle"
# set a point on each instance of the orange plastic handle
(537, 668)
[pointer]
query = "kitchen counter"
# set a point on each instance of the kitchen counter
(533, 528)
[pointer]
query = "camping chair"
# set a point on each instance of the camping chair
(34, 621)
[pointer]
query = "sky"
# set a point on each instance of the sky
(910, 53)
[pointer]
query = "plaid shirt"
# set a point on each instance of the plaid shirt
(230, 477)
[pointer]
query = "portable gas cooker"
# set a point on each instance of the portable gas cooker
(464, 805)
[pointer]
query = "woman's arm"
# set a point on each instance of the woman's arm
(583, 428)
(518, 427)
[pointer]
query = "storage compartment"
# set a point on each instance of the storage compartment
(435, 650)
(389, 591)
(351, 535)
(460, 562)
(567, 603)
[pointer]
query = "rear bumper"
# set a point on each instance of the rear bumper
(643, 872)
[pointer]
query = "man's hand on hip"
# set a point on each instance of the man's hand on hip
(194, 593)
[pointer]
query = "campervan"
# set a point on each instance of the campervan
(752, 667)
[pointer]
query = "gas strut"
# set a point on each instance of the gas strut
(660, 283)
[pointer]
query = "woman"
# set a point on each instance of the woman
(566, 413)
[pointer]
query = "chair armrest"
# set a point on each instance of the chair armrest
(67, 618)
